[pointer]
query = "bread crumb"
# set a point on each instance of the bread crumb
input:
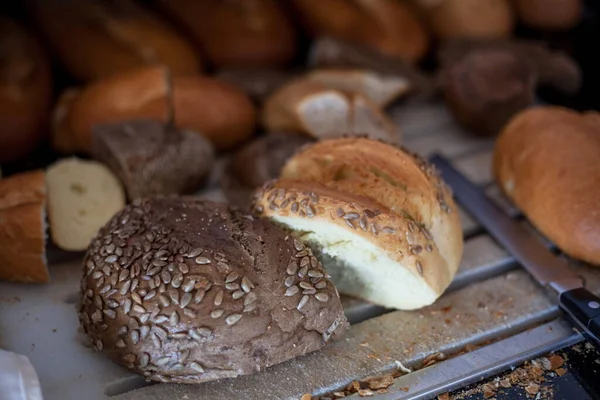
(365, 393)
(381, 382)
(306, 396)
(444, 396)
(339, 395)
(532, 388)
(556, 361)
(561, 371)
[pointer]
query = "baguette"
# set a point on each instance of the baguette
(546, 160)
(96, 39)
(23, 228)
(218, 111)
(82, 197)
(237, 33)
(25, 92)
(391, 27)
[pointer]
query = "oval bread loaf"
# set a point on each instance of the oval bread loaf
(181, 290)
(382, 220)
(82, 196)
(96, 39)
(237, 33)
(25, 91)
(222, 113)
(391, 27)
(547, 160)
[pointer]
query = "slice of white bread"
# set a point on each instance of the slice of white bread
(82, 197)
(23, 228)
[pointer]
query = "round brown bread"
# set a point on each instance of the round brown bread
(486, 87)
(547, 161)
(153, 159)
(23, 228)
(237, 33)
(485, 19)
(550, 15)
(25, 91)
(383, 221)
(181, 290)
(391, 27)
(95, 39)
(257, 163)
(223, 114)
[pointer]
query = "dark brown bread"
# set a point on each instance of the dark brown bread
(25, 91)
(95, 39)
(153, 159)
(552, 15)
(547, 161)
(257, 163)
(237, 33)
(181, 290)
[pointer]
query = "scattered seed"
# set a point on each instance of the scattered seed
(217, 313)
(196, 367)
(219, 298)
(165, 276)
(306, 285)
(174, 295)
(199, 296)
(289, 281)
(150, 295)
(174, 318)
(183, 268)
(232, 286)
(416, 249)
(429, 248)
(163, 361)
(419, 267)
(303, 271)
(159, 332)
(302, 302)
(321, 285)
(250, 298)
(110, 314)
(238, 294)
(322, 297)
(144, 360)
(159, 319)
(313, 273)
(363, 224)
(195, 252)
(247, 285)
(120, 343)
(188, 286)
(292, 268)
(186, 298)
(111, 259)
(202, 260)
(135, 336)
(233, 319)
(189, 313)
(291, 291)
(350, 224)
(144, 330)
(298, 245)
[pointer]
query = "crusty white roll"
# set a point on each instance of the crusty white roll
(381, 220)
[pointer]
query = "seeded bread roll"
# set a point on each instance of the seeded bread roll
(547, 161)
(181, 290)
(381, 219)
(237, 33)
(23, 228)
(152, 159)
(82, 196)
(95, 39)
(257, 163)
(312, 108)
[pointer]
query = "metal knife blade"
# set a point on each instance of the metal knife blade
(550, 271)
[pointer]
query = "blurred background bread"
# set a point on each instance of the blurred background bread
(222, 113)
(551, 15)
(25, 91)
(95, 39)
(23, 228)
(236, 33)
(391, 27)
(485, 19)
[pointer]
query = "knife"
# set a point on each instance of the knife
(580, 306)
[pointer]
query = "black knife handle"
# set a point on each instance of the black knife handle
(583, 308)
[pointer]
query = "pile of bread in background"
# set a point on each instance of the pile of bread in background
(138, 100)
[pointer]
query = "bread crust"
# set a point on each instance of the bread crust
(198, 291)
(25, 91)
(214, 109)
(386, 187)
(237, 33)
(550, 15)
(22, 228)
(94, 40)
(547, 160)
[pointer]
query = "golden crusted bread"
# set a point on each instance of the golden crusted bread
(547, 160)
(381, 218)
(23, 228)
(82, 196)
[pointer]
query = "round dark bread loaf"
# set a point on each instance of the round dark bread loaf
(257, 163)
(152, 159)
(182, 290)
